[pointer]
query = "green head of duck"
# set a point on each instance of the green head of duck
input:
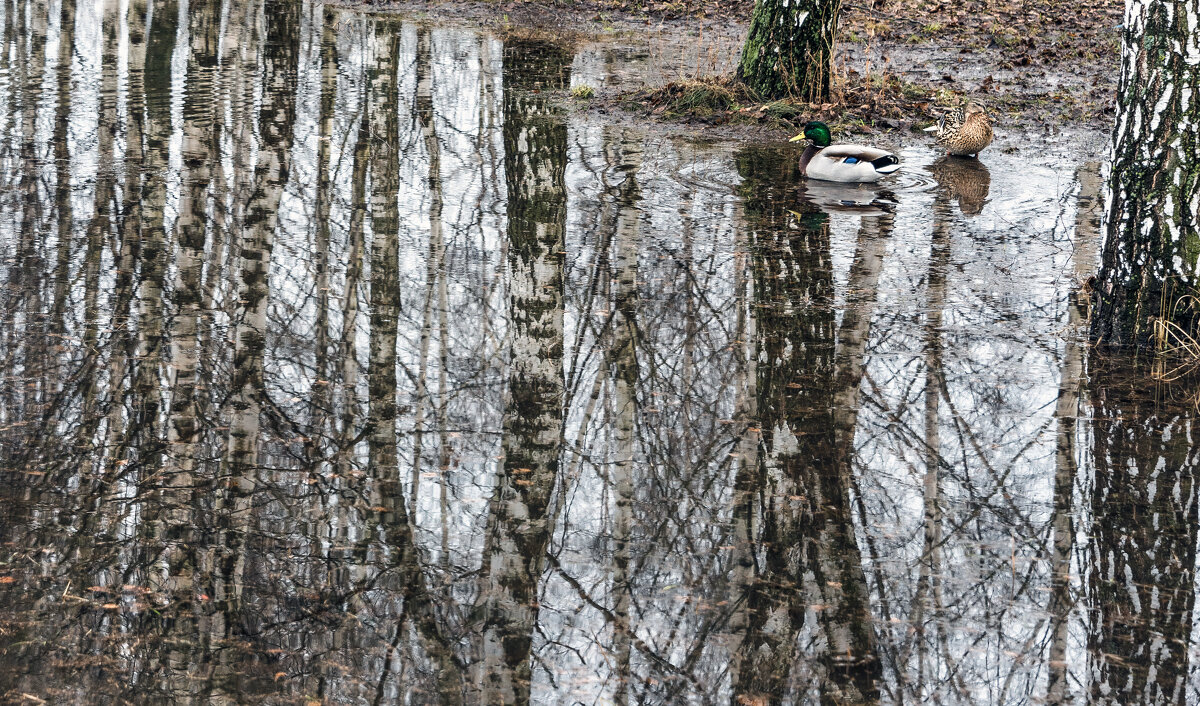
(816, 131)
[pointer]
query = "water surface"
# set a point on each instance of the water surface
(346, 360)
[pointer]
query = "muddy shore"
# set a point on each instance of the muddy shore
(1040, 68)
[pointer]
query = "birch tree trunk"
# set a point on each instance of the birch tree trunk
(789, 49)
(1150, 272)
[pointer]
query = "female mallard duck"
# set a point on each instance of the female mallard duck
(846, 163)
(965, 131)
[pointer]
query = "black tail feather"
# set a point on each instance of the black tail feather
(887, 163)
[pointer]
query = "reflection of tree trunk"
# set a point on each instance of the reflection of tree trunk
(149, 230)
(1087, 221)
(810, 587)
(747, 479)
(128, 227)
(354, 267)
(1066, 412)
(233, 122)
(435, 260)
(854, 332)
(928, 594)
(1151, 262)
(321, 402)
(1143, 567)
(31, 52)
(622, 361)
(385, 277)
(388, 499)
(100, 227)
(279, 53)
(176, 510)
(62, 162)
(198, 152)
(519, 526)
(853, 336)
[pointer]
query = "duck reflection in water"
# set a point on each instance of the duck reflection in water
(848, 199)
(967, 181)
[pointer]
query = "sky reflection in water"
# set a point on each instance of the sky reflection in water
(344, 361)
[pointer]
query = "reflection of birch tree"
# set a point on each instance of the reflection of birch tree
(322, 397)
(149, 231)
(623, 367)
(1066, 463)
(175, 513)
(388, 500)
(435, 279)
(520, 520)
(198, 153)
(355, 248)
(1143, 566)
(927, 618)
(28, 75)
(96, 393)
(279, 54)
(385, 285)
(62, 161)
(808, 623)
(126, 229)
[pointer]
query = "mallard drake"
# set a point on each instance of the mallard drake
(845, 163)
(965, 130)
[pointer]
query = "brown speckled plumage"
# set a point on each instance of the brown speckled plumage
(964, 131)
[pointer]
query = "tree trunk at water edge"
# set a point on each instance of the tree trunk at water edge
(1150, 271)
(789, 49)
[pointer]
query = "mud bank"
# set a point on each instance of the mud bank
(1039, 68)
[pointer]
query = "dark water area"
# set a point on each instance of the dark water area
(345, 360)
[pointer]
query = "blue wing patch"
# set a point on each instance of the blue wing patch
(851, 160)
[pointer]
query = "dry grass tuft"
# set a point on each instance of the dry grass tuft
(1178, 348)
(702, 96)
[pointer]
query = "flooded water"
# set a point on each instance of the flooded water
(345, 360)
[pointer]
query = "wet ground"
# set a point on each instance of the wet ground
(1037, 67)
(344, 361)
